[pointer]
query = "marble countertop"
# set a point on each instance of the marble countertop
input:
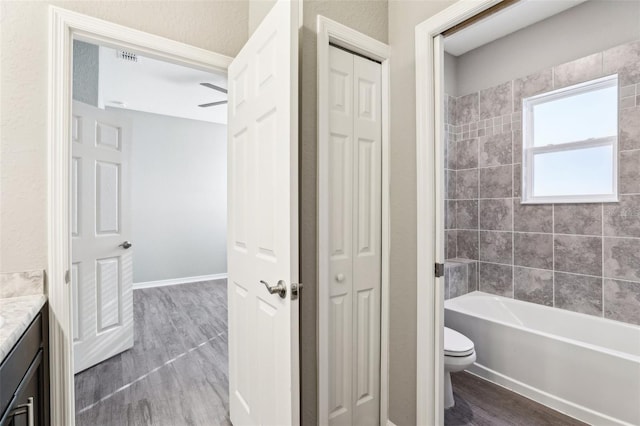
(18, 312)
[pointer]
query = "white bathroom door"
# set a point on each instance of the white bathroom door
(355, 235)
(263, 224)
(101, 271)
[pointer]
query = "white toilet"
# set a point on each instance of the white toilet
(459, 354)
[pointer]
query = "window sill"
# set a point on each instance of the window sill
(572, 200)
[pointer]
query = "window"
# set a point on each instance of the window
(570, 144)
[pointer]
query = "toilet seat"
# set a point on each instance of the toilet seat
(456, 344)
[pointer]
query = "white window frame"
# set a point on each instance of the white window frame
(529, 151)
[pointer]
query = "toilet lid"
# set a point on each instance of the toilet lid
(456, 344)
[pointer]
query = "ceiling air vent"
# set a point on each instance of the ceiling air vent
(127, 56)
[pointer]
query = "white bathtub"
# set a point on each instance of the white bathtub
(585, 366)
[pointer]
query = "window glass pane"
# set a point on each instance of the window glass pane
(578, 117)
(583, 171)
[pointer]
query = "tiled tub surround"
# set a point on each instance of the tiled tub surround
(580, 257)
(21, 298)
(460, 277)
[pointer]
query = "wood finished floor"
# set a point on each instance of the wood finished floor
(177, 371)
(479, 402)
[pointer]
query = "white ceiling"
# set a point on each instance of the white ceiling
(502, 23)
(159, 87)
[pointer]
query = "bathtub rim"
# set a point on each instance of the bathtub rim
(575, 342)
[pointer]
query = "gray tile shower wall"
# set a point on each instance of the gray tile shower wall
(460, 277)
(580, 257)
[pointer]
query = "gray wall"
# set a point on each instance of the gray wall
(450, 74)
(179, 197)
(86, 59)
(368, 17)
(403, 17)
(590, 27)
(580, 257)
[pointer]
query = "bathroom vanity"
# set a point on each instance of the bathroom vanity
(24, 361)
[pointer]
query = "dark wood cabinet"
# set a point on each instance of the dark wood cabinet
(24, 377)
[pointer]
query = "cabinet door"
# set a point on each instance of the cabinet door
(30, 387)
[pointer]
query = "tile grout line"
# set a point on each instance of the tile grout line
(554, 234)
(561, 272)
(519, 162)
(478, 198)
(602, 255)
(512, 206)
(553, 255)
(624, 194)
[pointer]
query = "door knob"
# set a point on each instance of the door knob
(280, 288)
(125, 245)
(340, 278)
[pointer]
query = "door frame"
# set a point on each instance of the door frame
(64, 27)
(430, 206)
(332, 32)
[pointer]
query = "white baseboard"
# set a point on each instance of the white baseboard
(175, 281)
(562, 405)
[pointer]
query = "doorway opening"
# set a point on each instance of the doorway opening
(262, 206)
(503, 222)
(148, 234)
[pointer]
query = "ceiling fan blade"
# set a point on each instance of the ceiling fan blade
(214, 87)
(212, 104)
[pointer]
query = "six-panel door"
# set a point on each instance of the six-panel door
(355, 238)
(101, 271)
(263, 223)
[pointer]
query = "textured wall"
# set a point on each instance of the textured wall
(86, 69)
(258, 9)
(369, 17)
(580, 257)
(403, 17)
(589, 27)
(179, 197)
(220, 26)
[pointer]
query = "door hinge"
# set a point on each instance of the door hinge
(439, 270)
(67, 276)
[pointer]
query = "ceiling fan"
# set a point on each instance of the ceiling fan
(214, 87)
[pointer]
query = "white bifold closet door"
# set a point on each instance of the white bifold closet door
(355, 239)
